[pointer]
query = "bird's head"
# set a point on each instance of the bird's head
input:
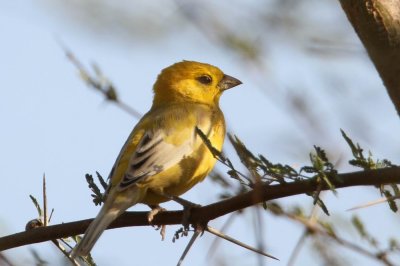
(194, 82)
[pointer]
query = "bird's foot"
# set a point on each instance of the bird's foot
(188, 206)
(150, 217)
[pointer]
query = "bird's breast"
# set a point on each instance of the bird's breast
(193, 168)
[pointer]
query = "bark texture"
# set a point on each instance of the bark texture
(377, 23)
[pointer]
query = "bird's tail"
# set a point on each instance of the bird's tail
(108, 213)
(94, 231)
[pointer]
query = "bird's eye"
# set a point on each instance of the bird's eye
(205, 79)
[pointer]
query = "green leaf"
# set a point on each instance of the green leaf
(102, 182)
(396, 189)
(98, 197)
(390, 200)
(308, 169)
(274, 207)
(219, 179)
(359, 225)
(233, 174)
(322, 205)
(277, 171)
(328, 227)
(317, 200)
(246, 157)
(216, 153)
(354, 149)
(321, 154)
(328, 182)
(394, 245)
(264, 205)
(35, 202)
(111, 93)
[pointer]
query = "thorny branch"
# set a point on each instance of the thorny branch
(204, 214)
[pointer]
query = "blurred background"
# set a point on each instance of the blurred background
(305, 75)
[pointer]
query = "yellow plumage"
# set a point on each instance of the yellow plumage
(164, 155)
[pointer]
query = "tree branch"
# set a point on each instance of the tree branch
(377, 23)
(204, 214)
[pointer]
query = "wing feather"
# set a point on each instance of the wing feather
(153, 155)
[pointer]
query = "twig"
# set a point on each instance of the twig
(297, 248)
(44, 222)
(5, 260)
(314, 228)
(303, 237)
(99, 83)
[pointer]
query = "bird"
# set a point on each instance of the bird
(164, 156)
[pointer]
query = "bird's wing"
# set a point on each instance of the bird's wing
(154, 153)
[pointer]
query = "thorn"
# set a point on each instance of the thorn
(189, 245)
(372, 203)
(227, 224)
(237, 242)
(45, 220)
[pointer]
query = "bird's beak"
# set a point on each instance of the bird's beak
(228, 82)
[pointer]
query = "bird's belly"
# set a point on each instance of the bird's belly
(179, 178)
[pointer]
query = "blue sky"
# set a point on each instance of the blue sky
(52, 123)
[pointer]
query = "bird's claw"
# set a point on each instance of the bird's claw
(150, 217)
(187, 209)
